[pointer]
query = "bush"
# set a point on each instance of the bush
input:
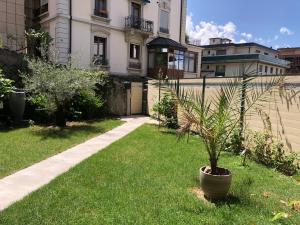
(235, 142)
(272, 153)
(167, 107)
(58, 85)
(6, 86)
(86, 105)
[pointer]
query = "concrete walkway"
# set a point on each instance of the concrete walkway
(16, 186)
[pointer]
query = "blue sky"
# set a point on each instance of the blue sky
(273, 23)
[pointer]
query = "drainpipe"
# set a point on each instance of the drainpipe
(180, 28)
(70, 28)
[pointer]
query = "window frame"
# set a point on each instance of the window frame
(98, 40)
(138, 52)
(101, 11)
(187, 58)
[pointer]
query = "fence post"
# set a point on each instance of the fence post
(203, 92)
(242, 112)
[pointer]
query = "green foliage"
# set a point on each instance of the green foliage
(1, 43)
(85, 105)
(272, 153)
(6, 86)
(215, 119)
(38, 42)
(167, 108)
(234, 143)
(58, 85)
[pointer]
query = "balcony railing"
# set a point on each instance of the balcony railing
(135, 65)
(101, 13)
(41, 10)
(139, 24)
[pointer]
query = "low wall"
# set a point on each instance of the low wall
(285, 119)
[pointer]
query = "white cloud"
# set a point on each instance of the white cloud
(206, 30)
(285, 30)
(276, 37)
(242, 41)
(247, 36)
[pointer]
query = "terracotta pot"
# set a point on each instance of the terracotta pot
(17, 105)
(215, 187)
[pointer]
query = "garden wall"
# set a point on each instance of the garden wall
(286, 123)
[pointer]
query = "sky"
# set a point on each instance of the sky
(273, 23)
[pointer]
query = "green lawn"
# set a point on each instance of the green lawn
(20, 148)
(146, 178)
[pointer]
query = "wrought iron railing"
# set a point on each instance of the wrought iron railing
(135, 65)
(139, 24)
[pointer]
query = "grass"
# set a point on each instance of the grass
(20, 148)
(146, 178)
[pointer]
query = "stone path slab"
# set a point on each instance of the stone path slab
(16, 186)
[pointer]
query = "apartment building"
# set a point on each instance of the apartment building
(224, 58)
(12, 24)
(292, 55)
(121, 36)
(131, 39)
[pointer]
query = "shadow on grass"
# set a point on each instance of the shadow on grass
(69, 131)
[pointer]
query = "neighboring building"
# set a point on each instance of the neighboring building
(292, 55)
(115, 34)
(12, 24)
(130, 39)
(224, 58)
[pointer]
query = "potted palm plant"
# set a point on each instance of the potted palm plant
(216, 117)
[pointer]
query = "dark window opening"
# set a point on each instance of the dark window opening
(101, 8)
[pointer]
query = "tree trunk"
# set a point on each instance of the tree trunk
(61, 117)
(213, 166)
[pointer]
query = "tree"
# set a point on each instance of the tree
(58, 85)
(216, 118)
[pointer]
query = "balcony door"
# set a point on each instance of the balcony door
(135, 10)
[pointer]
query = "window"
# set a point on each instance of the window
(43, 6)
(134, 51)
(257, 51)
(276, 71)
(101, 8)
(176, 60)
(266, 70)
(208, 52)
(271, 70)
(221, 52)
(220, 70)
(260, 69)
(280, 71)
(99, 51)
(190, 63)
(266, 53)
(135, 10)
(164, 21)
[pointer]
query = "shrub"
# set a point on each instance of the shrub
(272, 153)
(235, 142)
(58, 84)
(6, 86)
(85, 105)
(167, 107)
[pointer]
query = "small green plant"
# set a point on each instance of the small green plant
(6, 86)
(167, 108)
(272, 153)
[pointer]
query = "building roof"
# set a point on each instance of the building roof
(246, 58)
(250, 44)
(166, 43)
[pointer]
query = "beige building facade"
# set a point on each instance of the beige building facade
(113, 34)
(12, 24)
(224, 58)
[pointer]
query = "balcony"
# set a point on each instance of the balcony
(135, 65)
(139, 24)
